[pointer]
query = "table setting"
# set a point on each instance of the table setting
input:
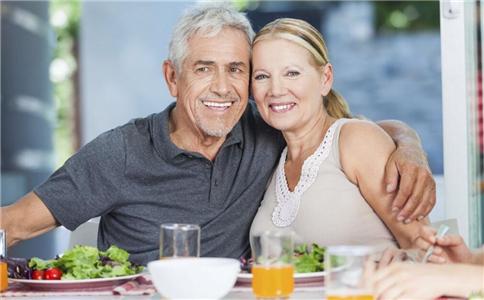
(278, 269)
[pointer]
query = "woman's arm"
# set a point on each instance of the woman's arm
(427, 281)
(364, 151)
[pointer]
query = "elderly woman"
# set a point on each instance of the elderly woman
(329, 185)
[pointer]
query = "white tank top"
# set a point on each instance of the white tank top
(325, 207)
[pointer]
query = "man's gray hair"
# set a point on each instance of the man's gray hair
(207, 19)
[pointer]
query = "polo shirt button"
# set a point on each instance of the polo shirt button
(216, 182)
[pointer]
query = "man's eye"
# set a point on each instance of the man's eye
(293, 73)
(235, 70)
(260, 77)
(202, 69)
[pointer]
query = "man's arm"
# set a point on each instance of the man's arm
(408, 171)
(25, 219)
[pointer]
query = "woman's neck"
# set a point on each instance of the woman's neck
(303, 142)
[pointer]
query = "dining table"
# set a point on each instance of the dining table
(237, 292)
(139, 288)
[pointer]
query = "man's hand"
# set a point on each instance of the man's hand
(408, 173)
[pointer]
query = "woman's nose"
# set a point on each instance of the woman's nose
(277, 87)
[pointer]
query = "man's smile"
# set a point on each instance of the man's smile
(218, 106)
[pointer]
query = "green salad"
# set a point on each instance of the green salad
(308, 259)
(85, 262)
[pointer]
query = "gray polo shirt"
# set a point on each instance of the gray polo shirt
(135, 178)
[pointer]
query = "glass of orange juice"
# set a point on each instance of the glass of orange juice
(273, 272)
(349, 268)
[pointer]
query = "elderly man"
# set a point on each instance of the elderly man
(206, 159)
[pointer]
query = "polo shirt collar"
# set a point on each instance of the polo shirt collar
(166, 148)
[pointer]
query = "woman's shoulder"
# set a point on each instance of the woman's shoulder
(361, 132)
(363, 142)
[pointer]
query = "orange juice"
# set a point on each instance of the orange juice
(3, 276)
(349, 297)
(349, 294)
(272, 281)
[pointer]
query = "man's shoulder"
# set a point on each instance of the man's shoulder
(113, 142)
(141, 126)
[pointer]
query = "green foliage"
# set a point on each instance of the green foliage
(406, 15)
(65, 17)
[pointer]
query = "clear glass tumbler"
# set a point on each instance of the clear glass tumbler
(348, 268)
(179, 240)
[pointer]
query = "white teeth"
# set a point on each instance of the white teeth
(217, 104)
(281, 107)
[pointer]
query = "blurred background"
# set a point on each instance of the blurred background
(72, 70)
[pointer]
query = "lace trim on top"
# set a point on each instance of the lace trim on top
(288, 202)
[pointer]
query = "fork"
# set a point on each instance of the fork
(443, 229)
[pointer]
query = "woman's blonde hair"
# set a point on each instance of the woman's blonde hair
(305, 35)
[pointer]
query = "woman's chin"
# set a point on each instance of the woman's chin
(281, 126)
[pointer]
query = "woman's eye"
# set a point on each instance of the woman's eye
(293, 73)
(260, 77)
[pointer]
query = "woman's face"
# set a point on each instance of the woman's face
(286, 85)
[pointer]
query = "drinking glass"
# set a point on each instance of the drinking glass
(273, 272)
(349, 268)
(179, 240)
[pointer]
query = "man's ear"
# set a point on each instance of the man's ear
(327, 79)
(169, 72)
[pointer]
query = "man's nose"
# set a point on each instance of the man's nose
(220, 84)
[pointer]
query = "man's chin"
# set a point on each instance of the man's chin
(216, 131)
(216, 127)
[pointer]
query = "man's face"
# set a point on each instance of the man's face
(212, 86)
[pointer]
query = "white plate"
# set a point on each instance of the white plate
(299, 278)
(97, 283)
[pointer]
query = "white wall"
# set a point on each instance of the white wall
(123, 45)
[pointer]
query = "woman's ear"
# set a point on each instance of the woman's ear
(169, 72)
(327, 76)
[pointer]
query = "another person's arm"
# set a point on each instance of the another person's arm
(450, 248)
(407, 171)
(427, 281)
(365, 150)
(25, 219)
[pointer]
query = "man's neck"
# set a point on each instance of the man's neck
(191, 138)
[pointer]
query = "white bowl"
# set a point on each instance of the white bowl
(194, 278)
